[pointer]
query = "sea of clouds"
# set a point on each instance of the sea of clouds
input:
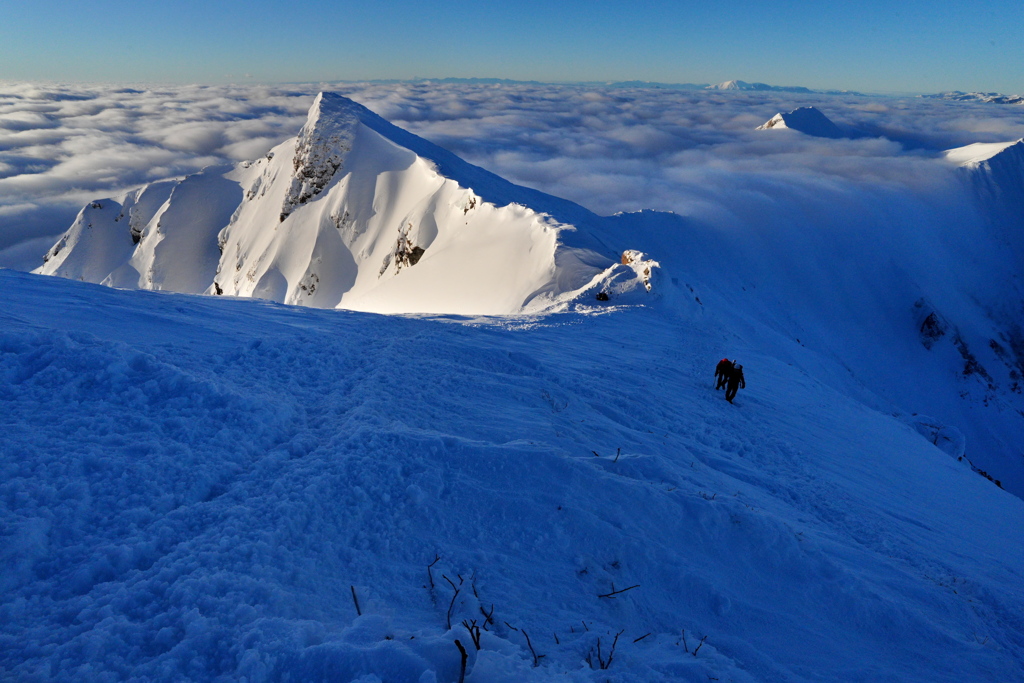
(610, 149)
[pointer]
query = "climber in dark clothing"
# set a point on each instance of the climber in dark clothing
(722, 371)
(736, 381)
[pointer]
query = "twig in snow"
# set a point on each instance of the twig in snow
(359, 612)
(603, 663)
(462, 652)
(615, 642)
(488, 617)
(696, 649)
(430, 574)
(451, 605)
(637, 640)
(474, 631)
(536, 657)
(596, 453)
(685, 646)
(618, 452)
(615, 592)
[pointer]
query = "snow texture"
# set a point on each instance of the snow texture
(199, 488)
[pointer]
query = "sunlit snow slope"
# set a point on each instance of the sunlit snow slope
(197, 488)
(353, 213)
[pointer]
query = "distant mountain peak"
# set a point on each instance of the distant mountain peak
(743, 85)
(983, 97)
(807, 120)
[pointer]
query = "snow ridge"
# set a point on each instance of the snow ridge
(996, 169)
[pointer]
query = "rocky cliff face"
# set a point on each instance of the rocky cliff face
(320, 149)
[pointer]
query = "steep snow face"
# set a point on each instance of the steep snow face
(807, 120)
(998, 168)
(352, 213)
(996, 173)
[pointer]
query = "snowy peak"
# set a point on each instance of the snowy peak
(807, 120)
(354, 213)
(743, 85)
(730, 85)
(321, 147)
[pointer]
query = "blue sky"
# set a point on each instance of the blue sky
(870, 45)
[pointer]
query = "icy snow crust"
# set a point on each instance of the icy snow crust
(193, 487)
(352, 213)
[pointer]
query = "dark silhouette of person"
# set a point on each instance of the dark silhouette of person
(736, 382)
(722, 371)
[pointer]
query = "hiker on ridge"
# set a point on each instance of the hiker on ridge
(736, 381)
(722, 371)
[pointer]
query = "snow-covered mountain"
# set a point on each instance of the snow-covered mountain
(218, 488)
(807, 120)
(352, 213)
(984, 97)
(743, 85)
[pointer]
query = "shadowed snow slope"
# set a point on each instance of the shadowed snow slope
(997, 169)
(195, 488)
(353, 213)
(807, 120)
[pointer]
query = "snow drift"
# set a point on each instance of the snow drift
(352, 213)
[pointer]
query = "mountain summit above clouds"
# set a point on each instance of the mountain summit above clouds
(807, 120)
(352, 213)
(743, 85)
(983, 97)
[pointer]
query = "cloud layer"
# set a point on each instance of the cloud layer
(610, 149)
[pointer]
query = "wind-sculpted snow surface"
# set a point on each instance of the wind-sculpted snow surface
(353, 213)
(197, 488)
